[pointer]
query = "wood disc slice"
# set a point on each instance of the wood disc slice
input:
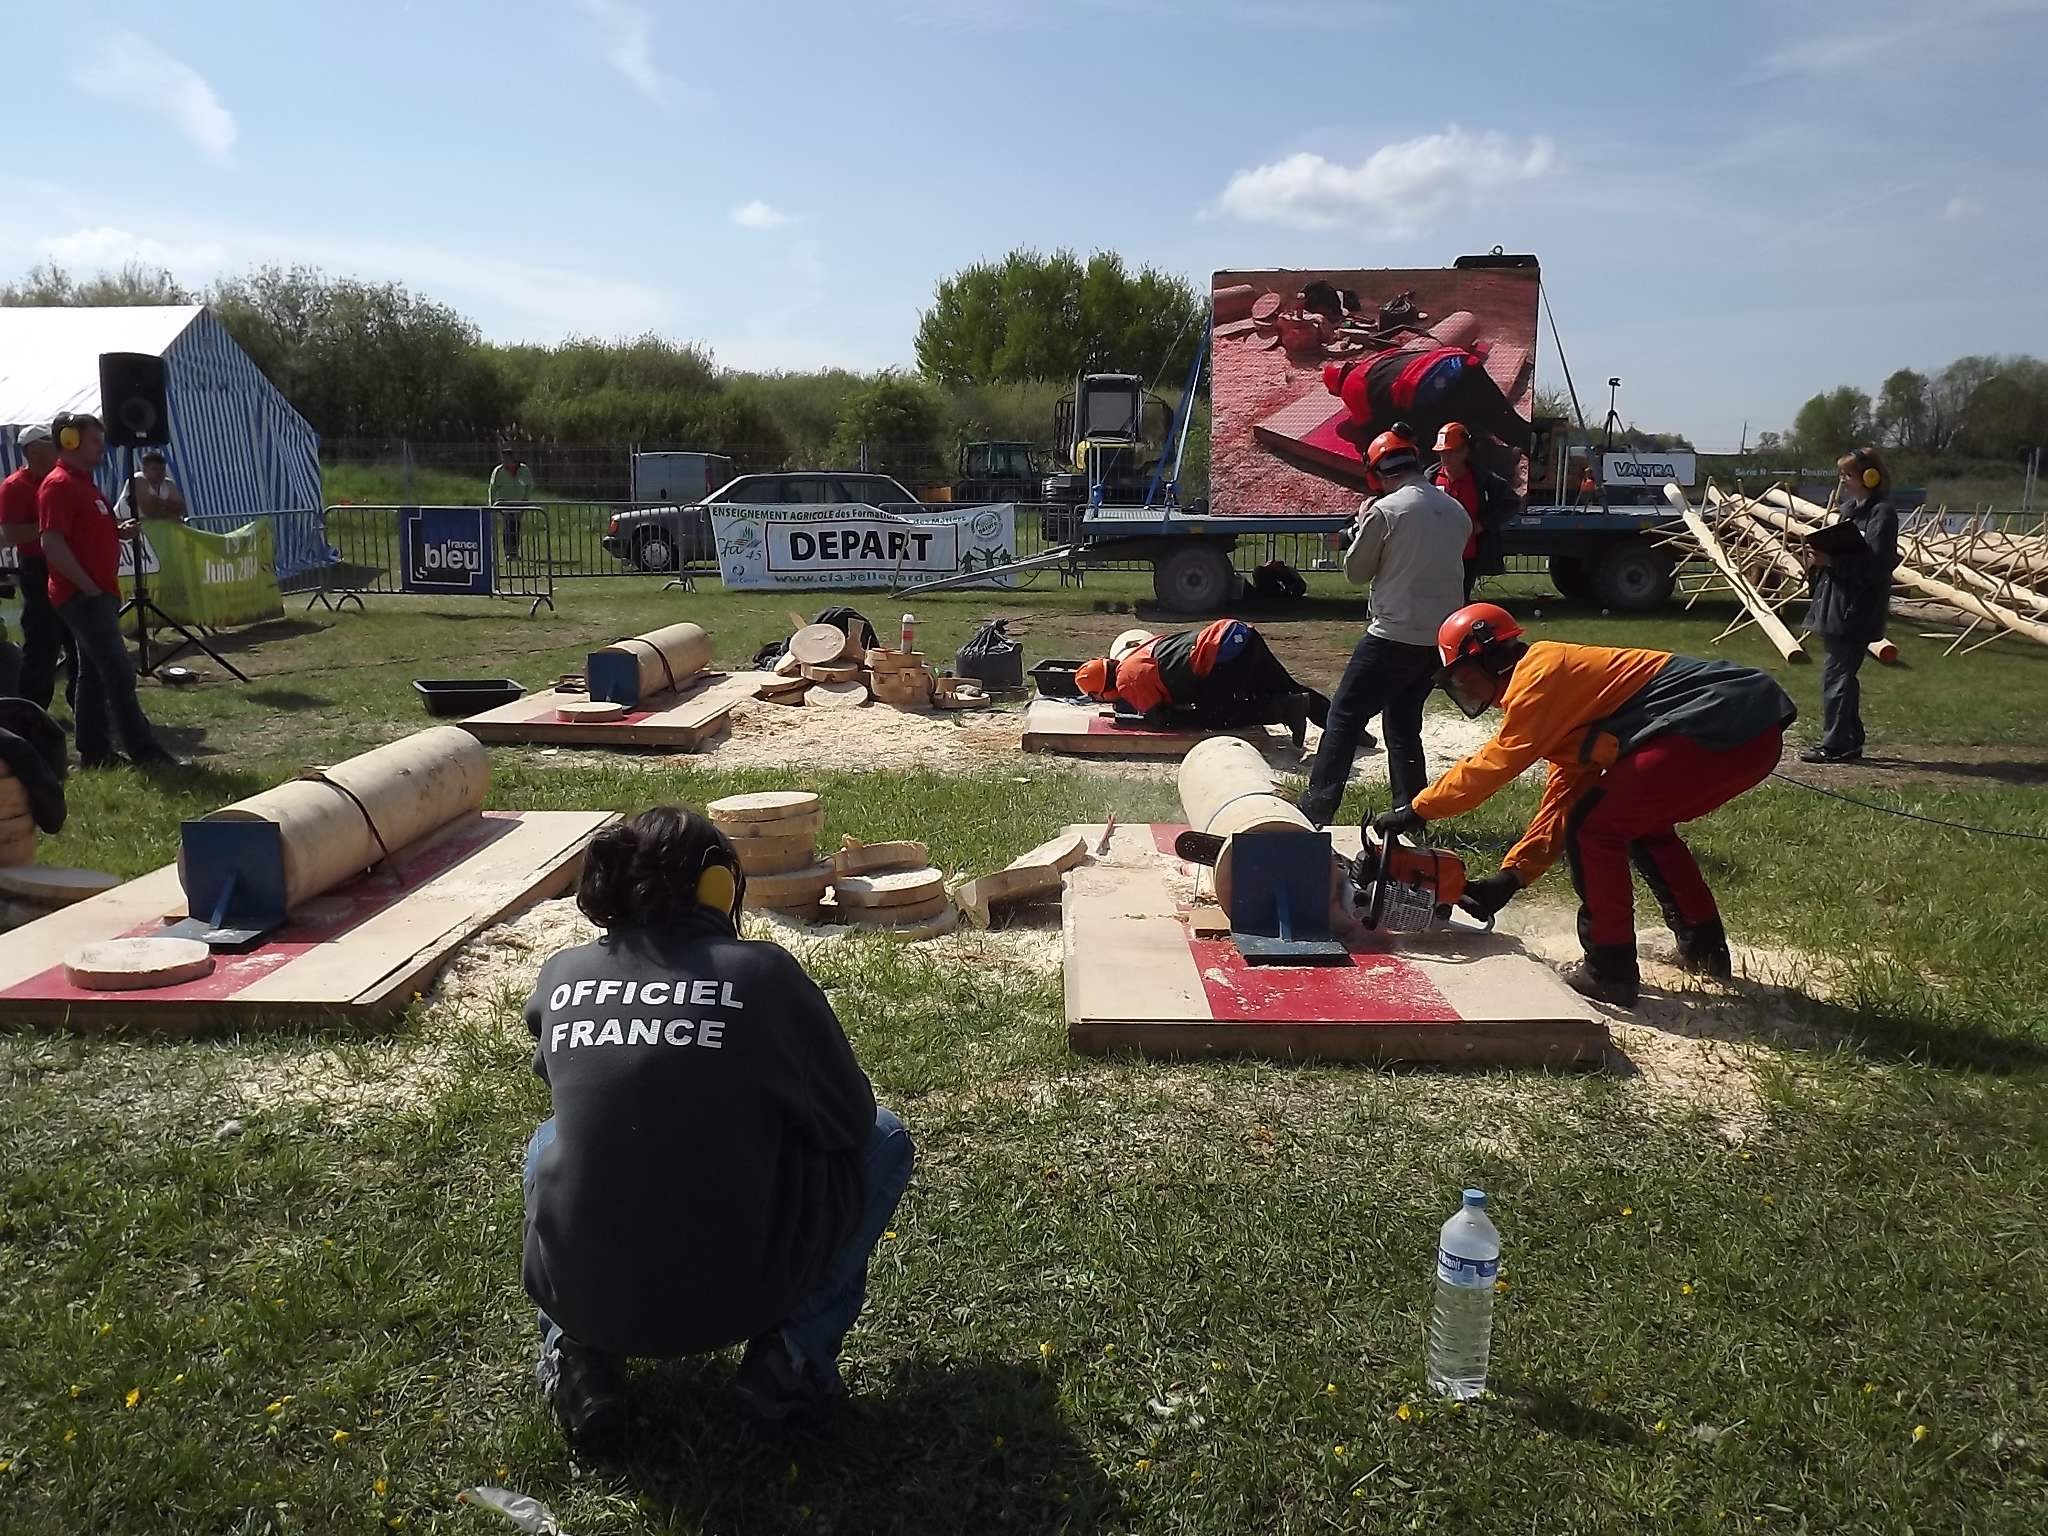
(130, 965)
(833, 672)
(817, 645)
(857, 858)
(762, 805)
(907, 915)
(589, 712)
(799, 888)
(776, 855)
(837, 695)
(895, 661)
(894, 889)
(54, 887)
(930, 928)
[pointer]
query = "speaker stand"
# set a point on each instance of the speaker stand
(146, 611)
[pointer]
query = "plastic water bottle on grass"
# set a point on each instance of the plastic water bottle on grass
(1461, 1327)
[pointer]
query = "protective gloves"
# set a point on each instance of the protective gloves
(1483, 898)
(1400, 821)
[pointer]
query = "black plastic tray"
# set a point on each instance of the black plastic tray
(466, 695)
(1055, 679)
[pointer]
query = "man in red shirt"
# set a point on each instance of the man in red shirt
(82, 544)
(43, 635)
(1486, 497)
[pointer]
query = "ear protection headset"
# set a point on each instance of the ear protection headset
(1872, 479)
(721, 883)
(69, 437)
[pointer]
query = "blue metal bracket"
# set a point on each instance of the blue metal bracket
(613, 677)
(1280, 899)
(234, 874)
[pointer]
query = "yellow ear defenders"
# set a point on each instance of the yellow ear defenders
(719, 888)
(1872, 479)
(68, 438)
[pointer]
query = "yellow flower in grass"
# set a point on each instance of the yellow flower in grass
(1685, 1289)
(70, 1435)
(1919, 1433)
(134, 1396)
(1404, 1413)
(378, 1487)
(1144, 1464)
(273, 1407)
(1628, 1210)
(341, 1437)
(1045, 1348)
(1330, 1388)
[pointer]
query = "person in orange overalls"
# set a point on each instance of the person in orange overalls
(1215, 678)
(1638, 742)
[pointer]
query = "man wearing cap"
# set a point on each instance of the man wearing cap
(43, 635)
(82, 543)
(1487, 498)
(1214, 678)
(1408, 545)
(511, 488)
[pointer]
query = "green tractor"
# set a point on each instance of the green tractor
(993, 471)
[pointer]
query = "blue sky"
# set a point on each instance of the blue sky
(1736, 204)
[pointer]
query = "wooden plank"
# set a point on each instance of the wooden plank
(1461, 1045)
(1053, 726)
(1133, 959)
(1766, 616)
(358, 973)
(679, 722)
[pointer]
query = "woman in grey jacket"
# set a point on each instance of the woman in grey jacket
(1851, 600)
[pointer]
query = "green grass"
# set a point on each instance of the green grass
(1122, 1297)
(386, 485)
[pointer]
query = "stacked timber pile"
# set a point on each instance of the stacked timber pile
(775, 834)
(825, 667)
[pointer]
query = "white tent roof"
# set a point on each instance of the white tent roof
(50, 357)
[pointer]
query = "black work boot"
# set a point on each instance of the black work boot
(1703, 950)
(770, 1385)
(1292, 708)
(587, 1389)
(1608, 974)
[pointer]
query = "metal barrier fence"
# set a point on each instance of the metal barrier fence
(369, 551)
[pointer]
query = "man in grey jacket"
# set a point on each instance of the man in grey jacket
(1409, 547)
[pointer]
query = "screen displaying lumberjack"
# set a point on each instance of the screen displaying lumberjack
(1310, 366)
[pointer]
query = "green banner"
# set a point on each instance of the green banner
(216, 579)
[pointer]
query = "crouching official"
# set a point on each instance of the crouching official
(1638, 742)
(716, 1170)
(1215, 678)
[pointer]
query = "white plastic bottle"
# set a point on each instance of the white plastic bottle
(1461, 1328)
(909, 633)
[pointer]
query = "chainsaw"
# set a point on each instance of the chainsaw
(1396, 887)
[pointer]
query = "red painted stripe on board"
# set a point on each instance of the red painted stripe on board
(368, 895)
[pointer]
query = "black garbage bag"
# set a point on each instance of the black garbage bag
(32, 746)
(992, 658)
(852, 621)
(1277, 581)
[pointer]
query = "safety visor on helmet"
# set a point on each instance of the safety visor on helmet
(1471, 686)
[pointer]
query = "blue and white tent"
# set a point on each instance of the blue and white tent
(237, 447)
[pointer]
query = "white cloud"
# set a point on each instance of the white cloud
(1399, 190)
(759, 215)
(105, 248)
(629, 45)
(1861, 33)
(143, 76)
(1961, 208)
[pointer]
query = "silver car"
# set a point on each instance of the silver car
(667, 538)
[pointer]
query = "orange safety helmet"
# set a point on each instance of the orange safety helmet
(1390, 453)
(1096, 678)
(1453, 436)
(1469, 633)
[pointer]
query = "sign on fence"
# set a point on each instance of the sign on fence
(856, 546)
(445, 550)
(215, 579)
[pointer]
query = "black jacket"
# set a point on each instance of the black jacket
(1852, 593)
(710, 1121)
(1498, 506)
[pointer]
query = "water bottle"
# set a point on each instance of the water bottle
(1461, 1329)
(909, 633)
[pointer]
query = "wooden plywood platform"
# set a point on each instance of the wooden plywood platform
(1053, 725)
(1140, 978)
(678, 722)
(359, 954)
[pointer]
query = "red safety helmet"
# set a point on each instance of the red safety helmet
(1466, 634)
(1453, 436)
(1096, 678)
(1390, 453)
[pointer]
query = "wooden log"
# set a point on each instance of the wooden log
(407, 789)
(904, 914)
(735, 812)
(799, 888)
(858, 858)
(589, 712)
(1039, 872)
(833, 672)
(134, 965)
(837, 695)
(776, 855)
(895, 888)
(1226, 788)
(1766, 616)
(880, 661)
(819, 645)
(668, 657)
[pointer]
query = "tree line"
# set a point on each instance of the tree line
(1978, 408)
(370, 361)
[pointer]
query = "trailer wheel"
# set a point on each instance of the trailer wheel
(1196, 578)
(1633, 576)
(1568, 575)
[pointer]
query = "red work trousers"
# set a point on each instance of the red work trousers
(1631, 814)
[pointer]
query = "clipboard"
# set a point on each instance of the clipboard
(1837, 539)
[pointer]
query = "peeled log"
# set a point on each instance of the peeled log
(1226, 788)
(409, 789)
(668, 657)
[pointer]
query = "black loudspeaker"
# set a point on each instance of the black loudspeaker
(132, 404)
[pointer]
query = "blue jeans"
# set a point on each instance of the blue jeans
(819, 1324)
(106, 682)
(1841, 694)
(1388, 679)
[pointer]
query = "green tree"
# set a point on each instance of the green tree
(1900, 416)
(894, 424)
(1829, 425)
(1031, 317)
(49, 285)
